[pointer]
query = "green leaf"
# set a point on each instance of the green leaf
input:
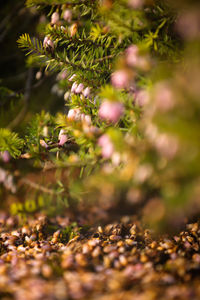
(9, 141)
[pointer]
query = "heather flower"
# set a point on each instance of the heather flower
(86, 92)
(67, 15)
(43, 144)
(133, 59)
(38, 75)
(9, 184)
(79, 88)
(55, 18)
(143, 173)
(62, 137)
(48, 43)
(141, 98)
(188, 24)
(5, 156)
(132, 55)
(2, 175)
(106, 145)
(74, 114)
(77, 114)
(164, 98)
(166, 145)
(111, 111)
(63, 74)
(136, 4)
(46, 38)
(87, 119)
(120, 79)
(72, 77)
(71, 114)
(74, 87)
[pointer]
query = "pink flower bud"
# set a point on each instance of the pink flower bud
(164, 98)
(141, 98)
(62, 138)
(45, 41)
(167, 145)
(77, 114)
(43, 144)
(72, 77)
(188, 24)
(67, 15)
(86, 92)
(106, 145)
(133, 59)
(50, 44)
(87, 119)
(79, 88)
(132, 55)
(74, 87)
(136, 4)
(71, 114)
(82, 117)
(38, 75)
(2, 175)
(63, 74)
(111, 111)
(120, 79)
(55, 18)
(5, 156)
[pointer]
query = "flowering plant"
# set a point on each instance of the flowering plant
(130, 129)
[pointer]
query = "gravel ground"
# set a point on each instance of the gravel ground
(54, 259)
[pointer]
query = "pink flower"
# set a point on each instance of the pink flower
(86, 92)
(55, 18)
(62, 137)
(45, 41)
(5, 156)
(188, 24)
(72, 77)
(111, 111)
(43, 144)
(2, 175)
(136, 4)
(87, 119)
(132, 55)
(167, 145)
(48, 43)
(141, 98)
(74, 87)
(120, 79)
(63, 74)
(67, 15)
(106, 145)
(164, 97)
(79, 88)
(71, 114)
(74, 114)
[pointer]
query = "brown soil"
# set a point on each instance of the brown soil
(52, 259)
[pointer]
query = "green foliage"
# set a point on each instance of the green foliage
(9, 141)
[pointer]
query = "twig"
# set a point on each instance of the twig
(38, 186)
(104, 58)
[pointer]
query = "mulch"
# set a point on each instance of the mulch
(55, 259)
